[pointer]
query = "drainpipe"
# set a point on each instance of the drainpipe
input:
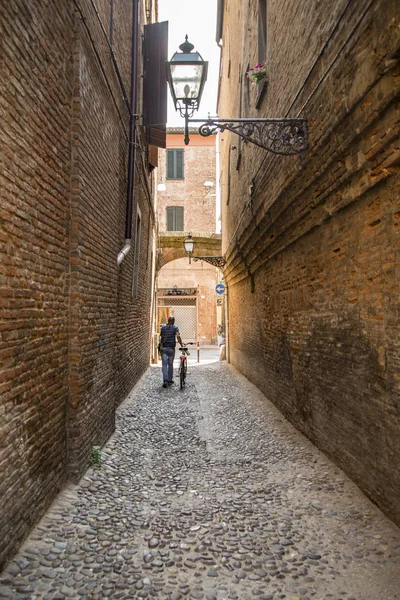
(132, 137)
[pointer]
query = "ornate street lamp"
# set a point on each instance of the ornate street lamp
(187, 74)
(189, 246)
(216, 261)
(161, 187)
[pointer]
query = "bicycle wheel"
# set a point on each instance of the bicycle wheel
(182, 373)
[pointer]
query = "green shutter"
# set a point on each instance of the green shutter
(175, 162)
(170, 164)
(179, 164)
(175, 218)
(170, 218)
(179, 218)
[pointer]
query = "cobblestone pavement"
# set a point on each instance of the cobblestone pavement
(208, 494)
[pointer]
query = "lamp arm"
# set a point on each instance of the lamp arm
(216, 261)
(280, 136)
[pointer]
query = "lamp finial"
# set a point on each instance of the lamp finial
(186, 47)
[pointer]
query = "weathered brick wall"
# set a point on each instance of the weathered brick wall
(67, 312)
(96, 226)
(134, 314)
(104, 361)
(35, 96)
(132, 355)
(198, 201)
(318, 327)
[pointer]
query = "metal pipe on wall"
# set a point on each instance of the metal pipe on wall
(132, 136)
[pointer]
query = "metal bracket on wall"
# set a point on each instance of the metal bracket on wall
(280, 136)
(216, 261)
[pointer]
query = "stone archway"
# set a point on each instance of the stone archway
(171, 246)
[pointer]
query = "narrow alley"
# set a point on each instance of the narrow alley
(208, 493)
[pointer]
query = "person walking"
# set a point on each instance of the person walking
(169, 335)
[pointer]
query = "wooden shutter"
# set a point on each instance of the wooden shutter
(170, 218)
(155, 54)
(179, 164)
(175, 164)
(179, 218)
(153, 156)
(262, 30)
(170, 164)
(175, 221)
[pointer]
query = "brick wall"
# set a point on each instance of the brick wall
(35, 105)
(134, 313)
(66, 357)
(198, 201)
(96, 222)
(320, 233)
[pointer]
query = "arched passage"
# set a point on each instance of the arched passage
(171, 246)
(187, 292)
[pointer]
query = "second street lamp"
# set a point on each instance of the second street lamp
(189, 246)
(216, 261)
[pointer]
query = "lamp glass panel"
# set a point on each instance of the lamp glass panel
(186, 80)
(189, 246)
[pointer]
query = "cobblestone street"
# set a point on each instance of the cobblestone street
(208, 493)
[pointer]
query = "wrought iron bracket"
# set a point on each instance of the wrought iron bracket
(280, 136)
(216, 261)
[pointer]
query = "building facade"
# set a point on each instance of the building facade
(312, 241)
(67, 356)
(186, 202)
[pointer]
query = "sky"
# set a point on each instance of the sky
(197, 19)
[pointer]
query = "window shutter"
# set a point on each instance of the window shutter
(175, 220)
(170, 218)
(179, 218)
(153, 156)
(175, 163)
(179, 164)
(262, 30)
(170, 164)
(155, 53)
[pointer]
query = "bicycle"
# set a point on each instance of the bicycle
(183, 364)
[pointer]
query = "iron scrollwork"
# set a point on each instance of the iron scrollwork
(280, 136)
(216, 261)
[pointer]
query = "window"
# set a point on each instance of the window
(262, 30)
(137, 254)
(175, 163)
(262, 47)
(175, 218)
